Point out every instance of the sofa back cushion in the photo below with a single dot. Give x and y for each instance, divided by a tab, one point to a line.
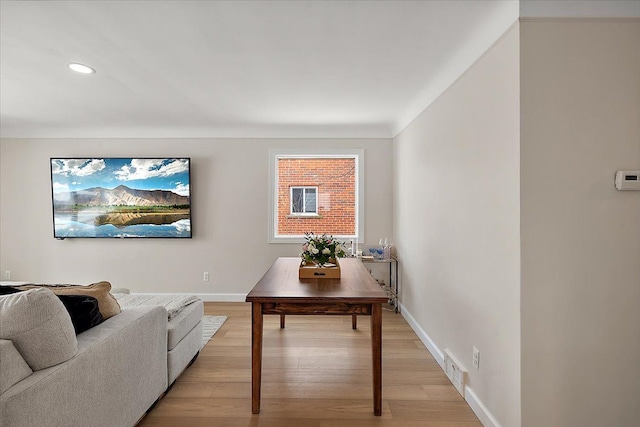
39	327
13	368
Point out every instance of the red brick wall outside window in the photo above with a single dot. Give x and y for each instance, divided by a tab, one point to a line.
335	179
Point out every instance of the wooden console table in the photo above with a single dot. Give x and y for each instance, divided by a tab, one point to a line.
281	292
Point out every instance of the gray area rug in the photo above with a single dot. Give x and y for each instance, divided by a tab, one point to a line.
211	325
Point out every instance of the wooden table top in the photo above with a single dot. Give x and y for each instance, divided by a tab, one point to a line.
281	283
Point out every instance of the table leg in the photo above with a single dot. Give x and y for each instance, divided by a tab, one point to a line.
282	321
354	321
376	352
256	356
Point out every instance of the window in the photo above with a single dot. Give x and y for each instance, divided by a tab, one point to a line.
304	200
317	191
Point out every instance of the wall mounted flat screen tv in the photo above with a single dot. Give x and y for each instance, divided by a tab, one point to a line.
121	197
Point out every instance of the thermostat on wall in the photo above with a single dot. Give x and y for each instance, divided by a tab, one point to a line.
628	180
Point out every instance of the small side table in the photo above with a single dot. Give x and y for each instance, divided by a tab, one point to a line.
394	287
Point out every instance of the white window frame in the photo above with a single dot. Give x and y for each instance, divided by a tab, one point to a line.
313	153
304	189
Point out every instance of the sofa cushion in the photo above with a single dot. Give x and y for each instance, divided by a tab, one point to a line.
180	325
13	367
39	327
106	302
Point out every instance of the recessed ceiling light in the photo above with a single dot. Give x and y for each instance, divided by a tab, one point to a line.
81	68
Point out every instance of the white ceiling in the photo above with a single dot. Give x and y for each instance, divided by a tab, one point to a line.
234	68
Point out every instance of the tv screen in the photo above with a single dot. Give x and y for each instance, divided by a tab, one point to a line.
121	197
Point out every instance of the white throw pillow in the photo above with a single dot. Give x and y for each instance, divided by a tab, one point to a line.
39	327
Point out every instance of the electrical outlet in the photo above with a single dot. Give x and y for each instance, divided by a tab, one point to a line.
205	276
7	275
476	358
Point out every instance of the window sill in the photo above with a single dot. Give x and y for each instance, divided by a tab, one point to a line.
303	216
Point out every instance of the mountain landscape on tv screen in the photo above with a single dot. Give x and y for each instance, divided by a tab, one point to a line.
119	196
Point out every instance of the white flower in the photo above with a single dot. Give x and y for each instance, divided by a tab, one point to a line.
338	248
314	250
326	251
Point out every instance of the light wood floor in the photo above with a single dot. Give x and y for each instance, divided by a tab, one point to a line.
316	373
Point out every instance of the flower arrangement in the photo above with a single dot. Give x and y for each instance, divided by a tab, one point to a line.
320	249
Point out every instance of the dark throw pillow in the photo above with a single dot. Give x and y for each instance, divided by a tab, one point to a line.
84	311
6	290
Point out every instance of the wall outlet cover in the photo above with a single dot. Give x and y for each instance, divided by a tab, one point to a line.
455	372
628	180
476	358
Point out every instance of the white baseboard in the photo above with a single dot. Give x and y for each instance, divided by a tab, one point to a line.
222	297
426	340
486	418
482	412
203	297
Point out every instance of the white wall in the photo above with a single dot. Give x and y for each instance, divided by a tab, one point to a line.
456	223
229	197
580	237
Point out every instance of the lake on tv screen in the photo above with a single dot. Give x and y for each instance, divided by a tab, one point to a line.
119	225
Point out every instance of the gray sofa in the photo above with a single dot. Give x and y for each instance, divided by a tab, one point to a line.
121	367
